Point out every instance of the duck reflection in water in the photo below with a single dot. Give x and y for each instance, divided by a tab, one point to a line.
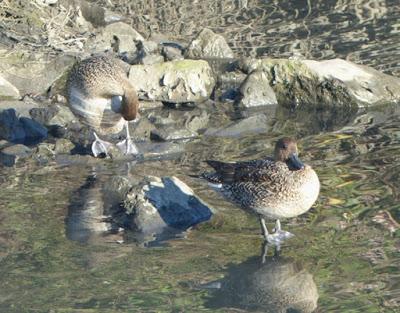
276	285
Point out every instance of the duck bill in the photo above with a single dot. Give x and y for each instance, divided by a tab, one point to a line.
294	162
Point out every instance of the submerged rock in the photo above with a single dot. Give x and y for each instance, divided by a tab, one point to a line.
176	81
256	91
207	44
165	203
11	155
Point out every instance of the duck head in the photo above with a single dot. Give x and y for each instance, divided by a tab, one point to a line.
286	151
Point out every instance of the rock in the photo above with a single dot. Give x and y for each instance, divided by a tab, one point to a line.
326	83
172	53
44	153
7	90
207	44
97	15
63	146
141	130
176	81
366	84
256	91
34	131
10	156
22	108
54	115
167	133
148	52
11	128
250	125
196	122
20	130
118	37
165	202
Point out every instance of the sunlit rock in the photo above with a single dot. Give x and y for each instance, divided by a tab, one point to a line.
176	81
256	91
7	90
165	203
207	44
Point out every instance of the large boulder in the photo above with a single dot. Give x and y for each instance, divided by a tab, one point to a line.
32	73
119	37
207	44
325	83
177	81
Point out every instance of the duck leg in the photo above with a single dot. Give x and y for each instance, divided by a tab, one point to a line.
278	236
100	147
127	146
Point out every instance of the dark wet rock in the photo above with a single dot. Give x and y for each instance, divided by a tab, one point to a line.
11	155
250	125
54	115
167	133
33	72
22	108
34	131
97	15
10	127
118	37
277	285
325	83
163	203
7	90
256	91
207	44
176	81
63	146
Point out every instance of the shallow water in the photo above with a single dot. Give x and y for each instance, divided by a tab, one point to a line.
347	261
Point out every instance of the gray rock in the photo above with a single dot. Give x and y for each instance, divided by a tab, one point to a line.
10	156
7	90
118	37
63	146
250	125
326	83
196	122
167	133
172	53
32	73
54	115
22	108
44	153
176	81
33	130
11	128
98	15
207	44
165	202
256	91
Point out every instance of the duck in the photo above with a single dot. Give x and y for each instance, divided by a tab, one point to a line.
100	94
273	188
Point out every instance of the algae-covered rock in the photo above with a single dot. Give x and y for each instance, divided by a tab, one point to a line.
176	81
207	44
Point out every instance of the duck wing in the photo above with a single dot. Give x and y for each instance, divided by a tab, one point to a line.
247	171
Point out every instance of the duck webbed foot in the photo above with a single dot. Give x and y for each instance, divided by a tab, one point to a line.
127	146
278	236
100	147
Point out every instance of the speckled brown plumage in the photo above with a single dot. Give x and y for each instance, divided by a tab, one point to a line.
91	85
268	187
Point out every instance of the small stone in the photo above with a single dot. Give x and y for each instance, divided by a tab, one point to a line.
256	91
207	44
171	133
10	156
63	146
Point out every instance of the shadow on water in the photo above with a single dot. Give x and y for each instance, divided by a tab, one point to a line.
273	284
